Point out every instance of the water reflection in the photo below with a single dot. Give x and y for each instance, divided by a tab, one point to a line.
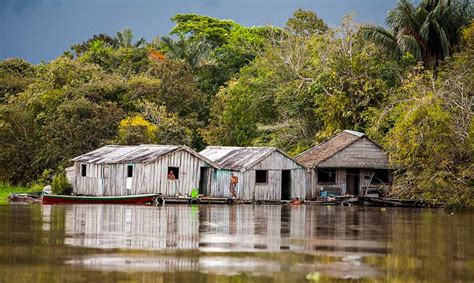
227	243
224	228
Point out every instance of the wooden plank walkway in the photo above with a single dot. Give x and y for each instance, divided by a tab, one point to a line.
213	200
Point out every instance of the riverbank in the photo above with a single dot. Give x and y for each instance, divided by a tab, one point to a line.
6	190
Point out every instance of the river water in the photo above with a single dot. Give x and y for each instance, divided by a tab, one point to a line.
234	243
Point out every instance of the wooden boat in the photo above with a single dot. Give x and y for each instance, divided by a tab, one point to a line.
132	199
390	202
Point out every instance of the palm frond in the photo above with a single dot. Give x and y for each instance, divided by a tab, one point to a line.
408	43
382	38
140	42
425	28
193	51
403	16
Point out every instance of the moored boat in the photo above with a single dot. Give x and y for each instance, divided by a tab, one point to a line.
131	199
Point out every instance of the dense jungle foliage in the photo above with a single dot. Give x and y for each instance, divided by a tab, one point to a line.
408	85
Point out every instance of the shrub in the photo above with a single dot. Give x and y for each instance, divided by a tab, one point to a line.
35	188
60	185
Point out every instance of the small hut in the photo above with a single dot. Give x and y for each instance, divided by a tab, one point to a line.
264	173
349	163
115	170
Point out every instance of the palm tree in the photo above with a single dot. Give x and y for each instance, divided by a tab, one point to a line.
195	52
125	39
429	31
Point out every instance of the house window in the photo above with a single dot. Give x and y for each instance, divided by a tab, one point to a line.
261	176
326	175
83	170
380	176
173	173
129	170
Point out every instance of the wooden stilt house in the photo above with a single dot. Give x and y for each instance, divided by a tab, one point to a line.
129	170
264	173
349	163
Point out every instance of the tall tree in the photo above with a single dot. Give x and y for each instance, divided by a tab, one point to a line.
83	47
306	22
214	30
125	39
428	31
195	52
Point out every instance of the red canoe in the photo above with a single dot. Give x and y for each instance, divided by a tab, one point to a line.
52	199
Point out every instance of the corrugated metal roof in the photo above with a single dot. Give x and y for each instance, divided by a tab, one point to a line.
125	154
110	154
318	154
238	158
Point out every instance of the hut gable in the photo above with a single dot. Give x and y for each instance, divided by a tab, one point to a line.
321	152
362	153
244	158
348	149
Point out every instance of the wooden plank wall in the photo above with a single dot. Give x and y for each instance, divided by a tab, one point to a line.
220	182
298	183
153	177
147	177
315	188
364	179
247	189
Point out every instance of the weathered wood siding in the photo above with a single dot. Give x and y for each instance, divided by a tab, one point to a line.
153	177
315	188
364	179
147	177
361	154
220	183
247	188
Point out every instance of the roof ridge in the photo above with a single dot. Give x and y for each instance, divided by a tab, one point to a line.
159	145
231	146
355	133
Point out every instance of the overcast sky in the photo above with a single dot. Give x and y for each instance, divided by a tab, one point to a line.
40	30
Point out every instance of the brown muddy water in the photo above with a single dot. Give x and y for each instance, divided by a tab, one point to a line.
239	243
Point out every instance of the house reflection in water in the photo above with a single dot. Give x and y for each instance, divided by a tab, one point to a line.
245	228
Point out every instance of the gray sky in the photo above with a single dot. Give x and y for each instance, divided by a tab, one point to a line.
39	30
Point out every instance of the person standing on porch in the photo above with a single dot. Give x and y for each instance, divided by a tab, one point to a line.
172	178
233	185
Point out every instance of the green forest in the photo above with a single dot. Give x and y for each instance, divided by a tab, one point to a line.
407	85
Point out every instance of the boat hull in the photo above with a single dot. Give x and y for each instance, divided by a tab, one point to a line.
134	199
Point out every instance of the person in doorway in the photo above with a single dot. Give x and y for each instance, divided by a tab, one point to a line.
233	185
172	178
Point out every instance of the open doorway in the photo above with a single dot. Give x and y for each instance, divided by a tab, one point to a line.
286	184
352	182
204	180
